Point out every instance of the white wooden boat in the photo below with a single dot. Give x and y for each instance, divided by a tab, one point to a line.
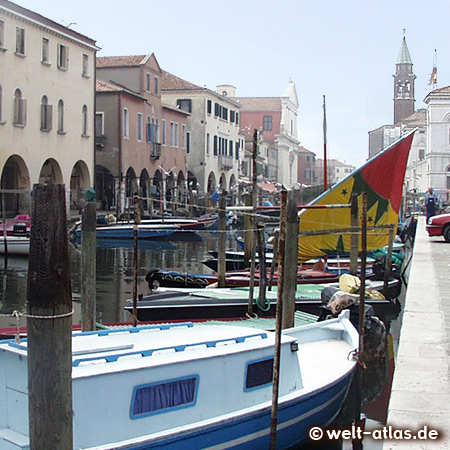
185	386
16	245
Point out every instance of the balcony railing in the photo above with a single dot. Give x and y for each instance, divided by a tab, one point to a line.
100	141
155	150
225	162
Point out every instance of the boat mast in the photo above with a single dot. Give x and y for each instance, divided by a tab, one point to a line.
325	168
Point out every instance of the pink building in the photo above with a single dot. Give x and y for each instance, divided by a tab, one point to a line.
141	145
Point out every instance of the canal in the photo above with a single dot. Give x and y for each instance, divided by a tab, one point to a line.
114	286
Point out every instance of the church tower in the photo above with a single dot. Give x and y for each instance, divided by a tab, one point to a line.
403	84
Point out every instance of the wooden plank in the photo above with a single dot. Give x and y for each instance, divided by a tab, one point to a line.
88	266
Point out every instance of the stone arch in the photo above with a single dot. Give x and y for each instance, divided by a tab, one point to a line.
156	189
181	194
130	182
211	186
51	172
15	175
79	182
144	187
105	187
223	182
192	182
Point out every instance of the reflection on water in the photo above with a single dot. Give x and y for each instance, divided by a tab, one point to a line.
115	272
114	286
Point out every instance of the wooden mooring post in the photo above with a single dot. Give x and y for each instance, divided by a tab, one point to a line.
262	266
49	323
290	262
354	238
359	422
222	226
88	266
137	221
278	321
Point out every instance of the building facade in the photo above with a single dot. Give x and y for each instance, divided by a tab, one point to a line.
307	167
46	106
276	120
213	159
141	144
437	157
336	170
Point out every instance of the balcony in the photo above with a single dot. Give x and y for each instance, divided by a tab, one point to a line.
100	141
225	162
155	150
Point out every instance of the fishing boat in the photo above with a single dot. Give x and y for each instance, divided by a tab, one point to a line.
18	226
168	304
234	260
126	231
15	245
191	386
172	278
182	224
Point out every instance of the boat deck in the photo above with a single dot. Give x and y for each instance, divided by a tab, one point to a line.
321	362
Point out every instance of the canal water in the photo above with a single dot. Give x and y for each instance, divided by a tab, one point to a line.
114	286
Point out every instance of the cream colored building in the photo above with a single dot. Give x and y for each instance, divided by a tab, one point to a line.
215	142
47	97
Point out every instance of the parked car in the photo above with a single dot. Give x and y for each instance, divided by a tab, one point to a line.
439	226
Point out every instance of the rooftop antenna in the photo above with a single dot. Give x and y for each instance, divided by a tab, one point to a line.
69	25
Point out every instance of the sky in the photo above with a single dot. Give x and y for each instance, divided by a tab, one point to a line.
343	49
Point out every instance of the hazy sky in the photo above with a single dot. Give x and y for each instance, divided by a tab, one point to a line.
343	49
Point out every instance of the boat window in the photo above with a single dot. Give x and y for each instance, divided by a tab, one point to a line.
259	373
163	396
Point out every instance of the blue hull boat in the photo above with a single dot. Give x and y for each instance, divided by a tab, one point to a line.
126	231
190	386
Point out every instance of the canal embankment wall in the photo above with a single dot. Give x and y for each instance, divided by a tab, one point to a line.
421	386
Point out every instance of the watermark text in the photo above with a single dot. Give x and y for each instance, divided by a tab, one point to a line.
384	433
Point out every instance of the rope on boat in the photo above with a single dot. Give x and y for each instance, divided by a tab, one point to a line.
19	314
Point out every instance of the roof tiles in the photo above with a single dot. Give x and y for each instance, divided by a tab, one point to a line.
171	82
120	61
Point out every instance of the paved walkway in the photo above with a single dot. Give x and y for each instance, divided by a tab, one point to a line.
421	387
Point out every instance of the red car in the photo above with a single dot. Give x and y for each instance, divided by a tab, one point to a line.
439	226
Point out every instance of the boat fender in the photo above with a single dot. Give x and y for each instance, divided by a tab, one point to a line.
151	279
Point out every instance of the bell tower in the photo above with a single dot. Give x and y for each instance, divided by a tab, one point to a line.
403	84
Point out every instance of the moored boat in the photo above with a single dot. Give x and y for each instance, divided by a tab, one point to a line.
168	304
15	245
126	231
184	386
172	278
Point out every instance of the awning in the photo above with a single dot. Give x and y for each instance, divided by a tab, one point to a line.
269	187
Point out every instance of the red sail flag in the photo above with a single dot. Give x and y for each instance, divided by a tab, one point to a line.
382	178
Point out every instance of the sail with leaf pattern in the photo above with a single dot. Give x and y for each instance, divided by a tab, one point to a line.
382	178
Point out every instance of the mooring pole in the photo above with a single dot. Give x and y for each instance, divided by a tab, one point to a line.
253	223
5	231
88	266
49	322
279	314
354	238
221	260
276	237
248	231
387	271
137	221
291	264
262	265
357	442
